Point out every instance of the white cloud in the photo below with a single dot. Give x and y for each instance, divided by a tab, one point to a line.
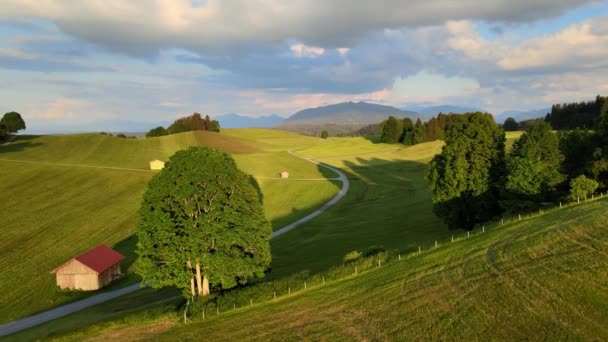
301	50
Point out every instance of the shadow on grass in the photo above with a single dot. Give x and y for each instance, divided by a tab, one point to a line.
21	143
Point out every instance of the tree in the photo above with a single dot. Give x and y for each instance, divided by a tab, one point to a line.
407	136
324	135
157	132
419	133
581	187
201	224
533	168
215	126
466	177
12	122
510	125
390	131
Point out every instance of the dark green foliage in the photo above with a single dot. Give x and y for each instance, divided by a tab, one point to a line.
578	147
200	207
324	135
194	122
466	177
373	250
157	132
391	131
120	135
12	122
433	130
533	169
584	115
369	130
419	133
581	187
510	125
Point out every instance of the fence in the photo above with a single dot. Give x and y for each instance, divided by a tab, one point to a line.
267	291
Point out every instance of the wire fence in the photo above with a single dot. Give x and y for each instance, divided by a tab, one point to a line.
269	291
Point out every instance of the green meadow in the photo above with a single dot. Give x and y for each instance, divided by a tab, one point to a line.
66	194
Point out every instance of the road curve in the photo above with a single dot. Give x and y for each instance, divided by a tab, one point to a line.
64	310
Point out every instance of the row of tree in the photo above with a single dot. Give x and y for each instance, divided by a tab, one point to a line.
11	122
405	131
585	115
194	122
474	179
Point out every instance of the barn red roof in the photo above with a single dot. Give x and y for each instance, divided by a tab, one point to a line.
98	259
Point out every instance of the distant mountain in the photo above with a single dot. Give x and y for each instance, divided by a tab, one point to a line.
233	120
432	111
521	115
347	113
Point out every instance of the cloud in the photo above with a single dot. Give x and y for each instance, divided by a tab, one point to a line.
27	61
301	50
220	26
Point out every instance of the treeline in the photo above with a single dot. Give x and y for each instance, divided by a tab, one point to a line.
194	122
11	122
585	115
474	179
405	131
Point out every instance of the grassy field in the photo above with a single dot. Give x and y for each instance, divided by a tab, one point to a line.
542	278
66	194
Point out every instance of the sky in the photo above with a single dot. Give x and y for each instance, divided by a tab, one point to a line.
70	64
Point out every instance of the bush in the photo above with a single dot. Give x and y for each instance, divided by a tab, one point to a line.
120	135
352	256
581	187
373	250
324	135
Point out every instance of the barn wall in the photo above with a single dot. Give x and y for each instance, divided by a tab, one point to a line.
74	267
65	281
86	282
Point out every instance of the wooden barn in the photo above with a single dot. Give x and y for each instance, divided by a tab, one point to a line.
91	270
157	165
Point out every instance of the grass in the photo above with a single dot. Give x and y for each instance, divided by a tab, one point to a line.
66	194
543	278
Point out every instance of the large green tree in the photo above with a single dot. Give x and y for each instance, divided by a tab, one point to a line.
12	122
533	168
419	133
391	131
201	225
510	125
466	177
157	132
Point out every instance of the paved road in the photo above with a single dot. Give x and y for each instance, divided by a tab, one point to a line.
67	309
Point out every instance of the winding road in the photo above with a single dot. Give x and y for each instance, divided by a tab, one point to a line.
28	322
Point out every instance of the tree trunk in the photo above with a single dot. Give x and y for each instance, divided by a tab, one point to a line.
189	266
205	286
198	278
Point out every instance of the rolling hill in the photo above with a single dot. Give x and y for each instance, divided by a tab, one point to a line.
346	113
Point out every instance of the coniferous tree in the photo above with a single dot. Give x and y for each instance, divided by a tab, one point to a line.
466	177
201	225
390	131
419	134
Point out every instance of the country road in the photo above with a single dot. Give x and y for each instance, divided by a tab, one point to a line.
28	322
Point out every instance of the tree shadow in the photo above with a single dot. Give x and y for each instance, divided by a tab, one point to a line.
127	248
21	143
389	203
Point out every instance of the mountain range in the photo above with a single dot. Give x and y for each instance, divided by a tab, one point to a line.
233	120
347	113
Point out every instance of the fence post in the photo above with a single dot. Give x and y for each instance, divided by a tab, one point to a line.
399	256
323	279
452	238
250	302
203	313
234	306
305	286
217	310
468	234
275	294
435	243
591	196
483	229
289	290
355	269
502	221
419	250
560	204
578	199
379	263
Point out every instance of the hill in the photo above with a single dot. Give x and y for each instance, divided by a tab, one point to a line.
541	278
346	113
233	120
66	194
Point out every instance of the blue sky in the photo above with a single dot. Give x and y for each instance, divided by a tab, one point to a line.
67	65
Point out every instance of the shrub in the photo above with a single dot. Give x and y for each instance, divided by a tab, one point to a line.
352	256
581	187
373	250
